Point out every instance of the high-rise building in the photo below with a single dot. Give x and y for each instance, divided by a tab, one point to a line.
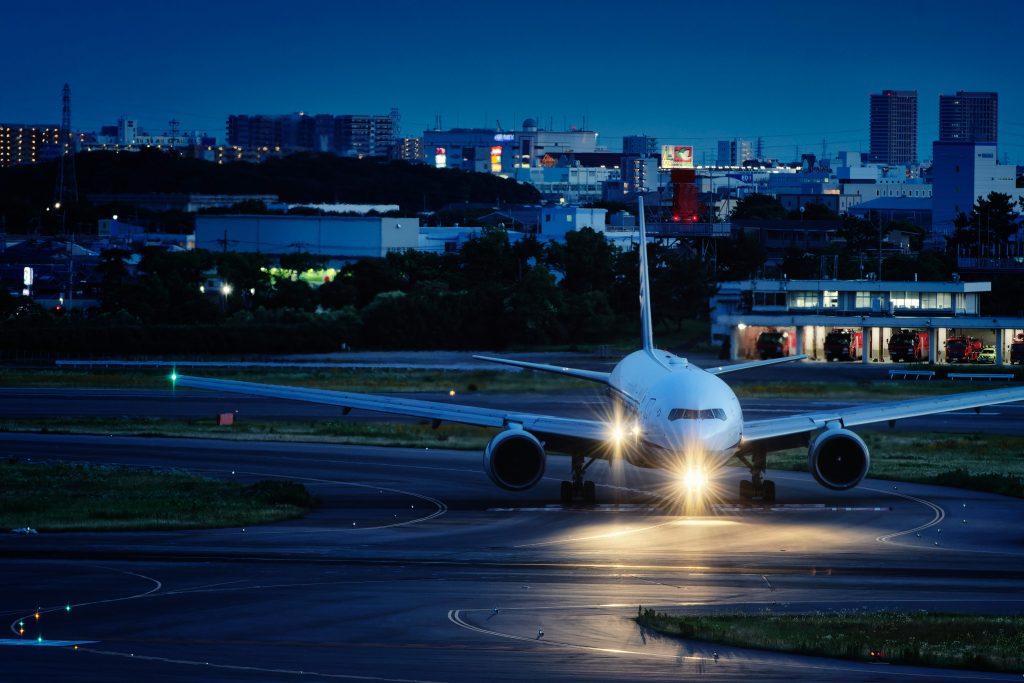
28	143
734	152
969	117
640	146
893	127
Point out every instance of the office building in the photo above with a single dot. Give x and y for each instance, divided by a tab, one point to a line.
969	117
640	146
734	152
962	172
346	134
487	150
893	127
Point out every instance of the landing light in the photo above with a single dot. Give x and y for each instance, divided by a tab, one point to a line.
694	480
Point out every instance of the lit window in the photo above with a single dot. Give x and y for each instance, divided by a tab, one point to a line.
830	299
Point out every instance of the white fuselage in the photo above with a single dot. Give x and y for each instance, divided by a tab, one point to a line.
682	413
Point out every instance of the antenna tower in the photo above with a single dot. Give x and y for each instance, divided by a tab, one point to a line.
67	184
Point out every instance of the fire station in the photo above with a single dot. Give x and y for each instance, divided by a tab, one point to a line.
857	320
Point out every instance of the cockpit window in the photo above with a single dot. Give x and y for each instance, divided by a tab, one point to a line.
692	414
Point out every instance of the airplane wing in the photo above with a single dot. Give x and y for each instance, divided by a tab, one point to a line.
560	431
763	430
591	375
722	369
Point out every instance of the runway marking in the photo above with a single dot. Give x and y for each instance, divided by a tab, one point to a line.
939	515
455	616
57	608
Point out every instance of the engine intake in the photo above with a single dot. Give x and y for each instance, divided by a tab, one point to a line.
514	460
838	459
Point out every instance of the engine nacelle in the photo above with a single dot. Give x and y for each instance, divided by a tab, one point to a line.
838	459
514	460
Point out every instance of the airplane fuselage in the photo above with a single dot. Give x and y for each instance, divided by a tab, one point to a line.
681	413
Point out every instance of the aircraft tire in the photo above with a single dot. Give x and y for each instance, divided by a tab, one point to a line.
565	493
746	490
768	491
589	492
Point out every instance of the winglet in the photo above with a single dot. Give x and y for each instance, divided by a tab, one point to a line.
646	327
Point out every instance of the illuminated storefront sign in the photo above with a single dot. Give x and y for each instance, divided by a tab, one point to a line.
496	159
673	156
440	157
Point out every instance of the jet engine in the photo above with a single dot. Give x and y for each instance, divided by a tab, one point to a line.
838	459
514	460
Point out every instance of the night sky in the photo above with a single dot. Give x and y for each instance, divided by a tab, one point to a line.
686	72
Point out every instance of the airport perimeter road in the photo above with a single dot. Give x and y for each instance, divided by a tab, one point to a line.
416	568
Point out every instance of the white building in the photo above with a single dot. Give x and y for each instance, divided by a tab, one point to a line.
330	236
555	221
961	173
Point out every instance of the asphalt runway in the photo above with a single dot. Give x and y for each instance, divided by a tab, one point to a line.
416	568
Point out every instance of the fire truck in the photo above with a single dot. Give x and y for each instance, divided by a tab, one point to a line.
773	344
962	349
908	345
844	345
1017	350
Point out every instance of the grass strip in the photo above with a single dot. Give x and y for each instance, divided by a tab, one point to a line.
367	380
985	643
980	462
67	497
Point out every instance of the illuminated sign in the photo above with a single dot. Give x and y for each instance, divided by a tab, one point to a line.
673	156
504	137
496	159
29	276
440	157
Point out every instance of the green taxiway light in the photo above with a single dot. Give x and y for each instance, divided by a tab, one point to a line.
67	607
174	376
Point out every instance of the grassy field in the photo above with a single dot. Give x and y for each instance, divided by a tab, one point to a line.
983	462
987	643
61	497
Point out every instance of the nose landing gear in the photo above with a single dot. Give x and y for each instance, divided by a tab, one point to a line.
757	486
579	489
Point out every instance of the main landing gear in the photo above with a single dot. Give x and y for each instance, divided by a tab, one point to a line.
579	489
757	486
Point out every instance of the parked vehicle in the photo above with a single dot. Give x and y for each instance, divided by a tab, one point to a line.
773	344
1017	350
908	345
962	349
844	345
987	355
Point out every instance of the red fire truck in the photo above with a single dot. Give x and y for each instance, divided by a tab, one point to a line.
962	349
1017	350
773	344
844	345
908	345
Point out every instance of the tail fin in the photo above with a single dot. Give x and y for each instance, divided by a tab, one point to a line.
646	327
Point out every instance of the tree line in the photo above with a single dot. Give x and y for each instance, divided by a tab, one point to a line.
491	293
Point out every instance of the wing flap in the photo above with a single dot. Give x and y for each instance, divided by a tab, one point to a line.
759	430
588	430
591	375
723	369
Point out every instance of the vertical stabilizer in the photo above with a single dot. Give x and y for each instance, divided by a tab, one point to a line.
646	328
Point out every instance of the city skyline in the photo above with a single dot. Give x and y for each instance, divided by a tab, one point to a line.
804	75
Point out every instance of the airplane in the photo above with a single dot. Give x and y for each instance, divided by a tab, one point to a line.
670	414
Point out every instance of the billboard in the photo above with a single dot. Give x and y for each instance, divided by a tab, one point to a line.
674	156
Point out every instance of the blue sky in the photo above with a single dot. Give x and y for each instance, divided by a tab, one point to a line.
686	72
